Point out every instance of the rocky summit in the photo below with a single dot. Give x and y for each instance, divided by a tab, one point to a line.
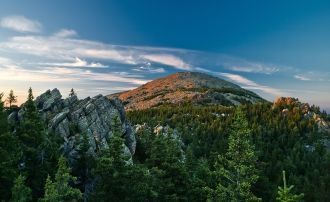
96	117
184	87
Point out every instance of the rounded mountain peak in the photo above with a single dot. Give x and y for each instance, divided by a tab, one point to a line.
184	87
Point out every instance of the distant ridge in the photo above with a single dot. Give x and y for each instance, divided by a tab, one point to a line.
183	87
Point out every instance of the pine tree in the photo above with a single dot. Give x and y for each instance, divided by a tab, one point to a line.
236	170
60	189
285	194
20	192
11	98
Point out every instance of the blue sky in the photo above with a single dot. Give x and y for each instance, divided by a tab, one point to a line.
275	49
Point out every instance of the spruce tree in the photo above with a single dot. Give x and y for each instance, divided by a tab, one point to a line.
112	171
20	192
284	194
60	189
85	163
11	98
166	162
236	170
31	134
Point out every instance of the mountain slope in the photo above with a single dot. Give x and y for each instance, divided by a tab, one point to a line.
186	87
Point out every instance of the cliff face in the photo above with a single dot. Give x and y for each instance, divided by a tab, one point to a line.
70	118
186	87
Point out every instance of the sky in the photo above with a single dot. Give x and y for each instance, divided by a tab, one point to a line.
274	48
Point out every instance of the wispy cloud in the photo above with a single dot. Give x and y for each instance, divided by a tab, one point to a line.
169	60
20	24
301	77
248	84
77	63
313	76
63	33
255	68
241	65
61	74
148	69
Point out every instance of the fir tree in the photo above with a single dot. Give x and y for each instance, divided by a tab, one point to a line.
112	171
31	134
11	98
84	164
236	170
285	194
166	161
20	192
60	189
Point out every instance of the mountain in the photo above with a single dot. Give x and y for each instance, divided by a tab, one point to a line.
184	87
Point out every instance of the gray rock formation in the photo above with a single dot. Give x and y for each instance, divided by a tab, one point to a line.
70	118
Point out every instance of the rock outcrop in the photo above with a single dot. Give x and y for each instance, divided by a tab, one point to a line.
70	118
292	105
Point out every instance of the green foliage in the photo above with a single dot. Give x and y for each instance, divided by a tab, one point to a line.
284	194
9	155
38	150
206	152
167	161
119	179
289	141
60	189
20	192
236	170
112	169
11	98
84	164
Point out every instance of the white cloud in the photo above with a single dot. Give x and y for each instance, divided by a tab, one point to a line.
14	73
239	79
302	78
61	74
67	48
255	68
246	83
241	65
169	60
77	63
110	54
63	33
149	69
20	24
319	76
